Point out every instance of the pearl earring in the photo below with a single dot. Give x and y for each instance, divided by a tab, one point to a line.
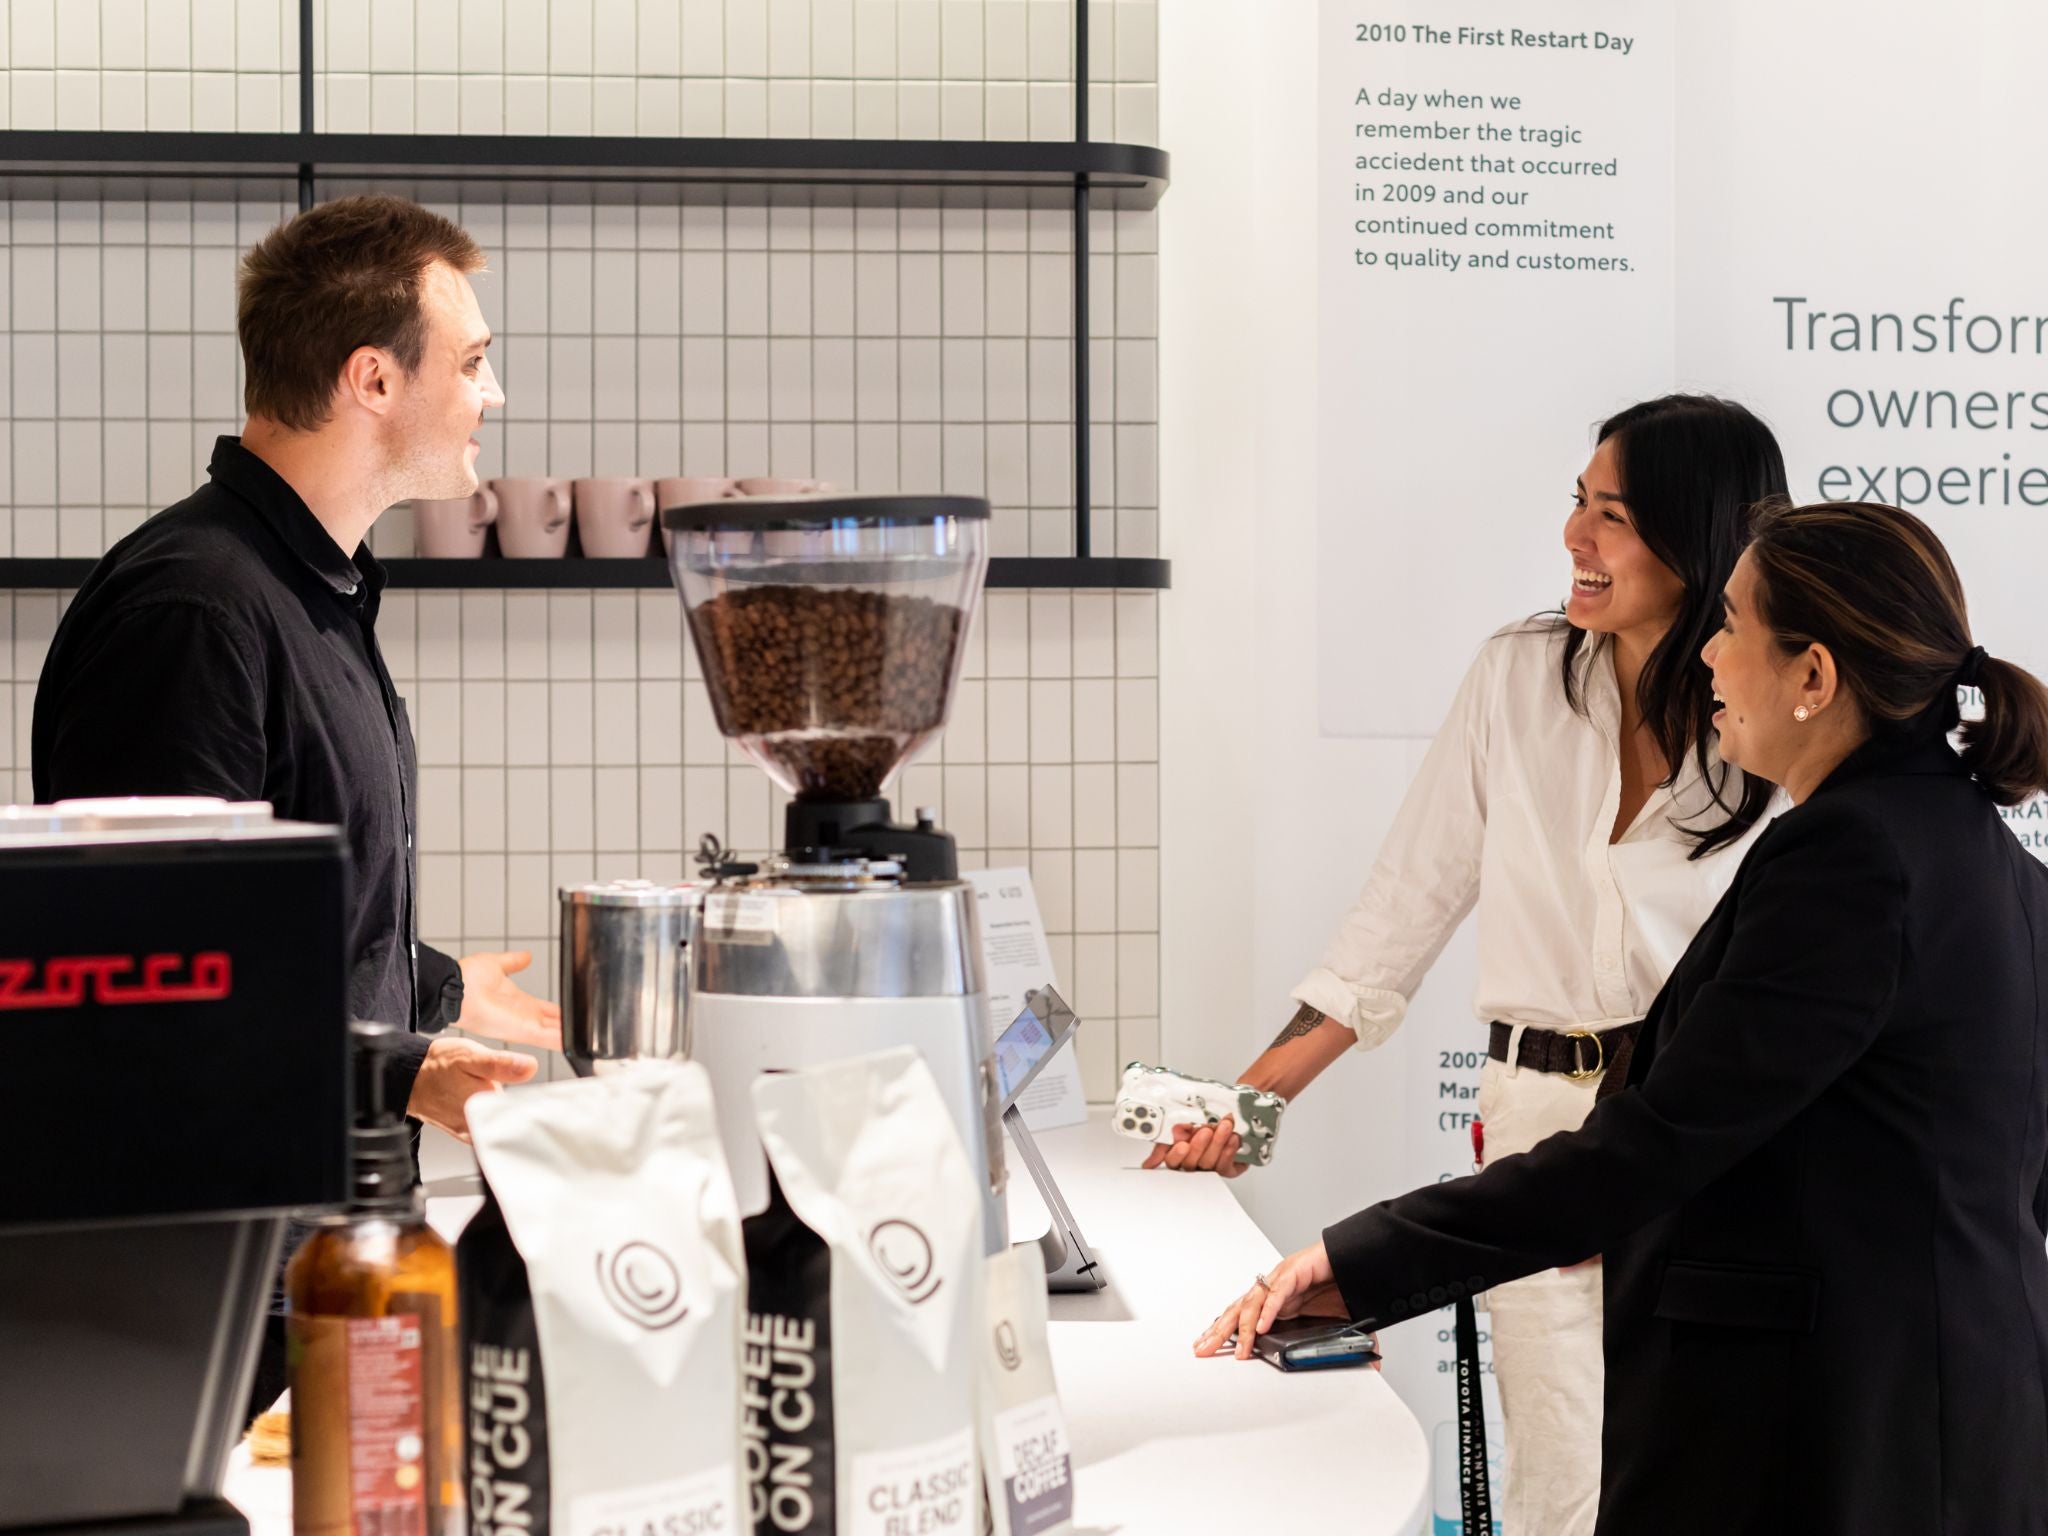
1802	714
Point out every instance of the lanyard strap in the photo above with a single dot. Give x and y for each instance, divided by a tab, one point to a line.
1474	1493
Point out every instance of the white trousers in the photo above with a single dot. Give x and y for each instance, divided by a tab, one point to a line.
1547	1355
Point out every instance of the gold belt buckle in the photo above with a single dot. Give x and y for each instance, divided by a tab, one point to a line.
1579	1074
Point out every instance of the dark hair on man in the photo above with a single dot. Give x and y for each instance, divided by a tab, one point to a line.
343	275
1875	586
1692	468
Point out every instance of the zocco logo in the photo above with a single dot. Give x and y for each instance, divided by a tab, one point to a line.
114	980
1006	1346
905	1254
643	1285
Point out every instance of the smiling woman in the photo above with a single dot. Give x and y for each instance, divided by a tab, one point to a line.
1668	493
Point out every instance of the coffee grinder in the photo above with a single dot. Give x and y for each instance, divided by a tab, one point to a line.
831	631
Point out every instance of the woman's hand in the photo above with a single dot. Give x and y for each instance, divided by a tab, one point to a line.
1200	1149
1300	1285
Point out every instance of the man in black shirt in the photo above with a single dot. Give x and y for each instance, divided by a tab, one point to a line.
228	646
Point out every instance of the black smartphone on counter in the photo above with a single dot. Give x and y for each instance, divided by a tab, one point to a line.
1315	1344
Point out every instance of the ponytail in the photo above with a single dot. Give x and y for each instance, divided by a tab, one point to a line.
2007	750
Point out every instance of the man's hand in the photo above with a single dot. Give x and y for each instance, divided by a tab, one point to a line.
493	1005
453	1071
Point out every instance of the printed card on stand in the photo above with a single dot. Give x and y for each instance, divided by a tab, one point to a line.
1018	959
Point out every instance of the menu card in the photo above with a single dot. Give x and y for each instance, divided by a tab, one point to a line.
1018	960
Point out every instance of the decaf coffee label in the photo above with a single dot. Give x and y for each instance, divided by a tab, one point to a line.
1035	1466
916	1490
786	1375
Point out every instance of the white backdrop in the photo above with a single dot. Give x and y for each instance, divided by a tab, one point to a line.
1825	210
1368	465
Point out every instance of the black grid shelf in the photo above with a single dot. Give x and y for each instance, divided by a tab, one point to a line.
937	172
1077	176
578	572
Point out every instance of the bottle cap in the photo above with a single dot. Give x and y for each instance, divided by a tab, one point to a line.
380	1148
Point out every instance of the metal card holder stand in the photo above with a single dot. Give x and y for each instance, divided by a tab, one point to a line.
1069	1263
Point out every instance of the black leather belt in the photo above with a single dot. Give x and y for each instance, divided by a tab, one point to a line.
1574	1053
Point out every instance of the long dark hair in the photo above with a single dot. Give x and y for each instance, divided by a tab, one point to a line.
1875	586
1693	467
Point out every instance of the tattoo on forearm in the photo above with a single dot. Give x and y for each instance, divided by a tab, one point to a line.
1304	1022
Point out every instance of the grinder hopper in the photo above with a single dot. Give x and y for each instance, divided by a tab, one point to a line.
831	631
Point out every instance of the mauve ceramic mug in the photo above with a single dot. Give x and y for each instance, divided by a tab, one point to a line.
681	490
615	517
533	517
786	541
454	530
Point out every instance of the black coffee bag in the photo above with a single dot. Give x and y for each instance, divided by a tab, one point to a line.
504	1393
786	1373
857	1396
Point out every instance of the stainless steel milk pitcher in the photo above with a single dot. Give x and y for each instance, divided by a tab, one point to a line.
624	971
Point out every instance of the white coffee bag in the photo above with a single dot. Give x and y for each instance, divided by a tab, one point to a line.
615	1192
859	1402
1026	1457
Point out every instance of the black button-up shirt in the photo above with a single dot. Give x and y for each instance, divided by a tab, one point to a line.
228	647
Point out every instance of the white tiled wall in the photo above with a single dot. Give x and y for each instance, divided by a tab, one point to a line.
907	350
184	65
956	69
565	734
117	336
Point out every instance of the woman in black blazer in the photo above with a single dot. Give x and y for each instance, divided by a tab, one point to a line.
1820	1197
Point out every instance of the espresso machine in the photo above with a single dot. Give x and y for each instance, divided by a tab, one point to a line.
831	631
174	1022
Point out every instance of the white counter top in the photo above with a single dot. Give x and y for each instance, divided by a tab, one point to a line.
1166	1442
1163	1442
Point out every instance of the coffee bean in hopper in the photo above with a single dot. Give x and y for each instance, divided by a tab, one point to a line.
786	663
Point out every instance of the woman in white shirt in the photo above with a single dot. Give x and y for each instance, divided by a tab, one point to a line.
1575	797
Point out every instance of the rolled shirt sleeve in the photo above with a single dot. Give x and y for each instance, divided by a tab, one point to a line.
1425	879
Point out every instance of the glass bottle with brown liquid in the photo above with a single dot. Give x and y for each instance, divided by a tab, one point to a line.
376	1410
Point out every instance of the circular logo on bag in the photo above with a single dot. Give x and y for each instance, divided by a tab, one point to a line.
905	1254
1006	1346
643	1285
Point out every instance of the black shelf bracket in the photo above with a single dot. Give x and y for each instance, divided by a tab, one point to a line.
306	100
65	163
580	573
1083	445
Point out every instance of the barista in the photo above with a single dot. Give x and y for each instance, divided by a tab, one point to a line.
1574	795
228	647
